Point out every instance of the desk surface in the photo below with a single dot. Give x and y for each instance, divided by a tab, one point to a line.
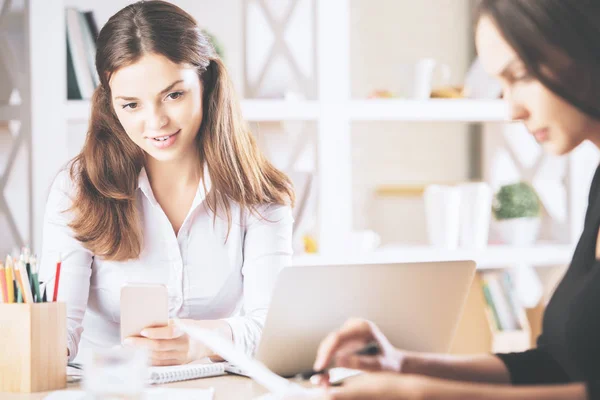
226	387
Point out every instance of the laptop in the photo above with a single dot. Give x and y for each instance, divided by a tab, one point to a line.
416	305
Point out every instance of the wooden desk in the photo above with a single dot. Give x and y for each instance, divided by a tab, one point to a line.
226	387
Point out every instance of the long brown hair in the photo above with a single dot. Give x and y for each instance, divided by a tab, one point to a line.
106	171
558	42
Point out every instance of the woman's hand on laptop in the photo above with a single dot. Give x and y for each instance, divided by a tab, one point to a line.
339	348
168	345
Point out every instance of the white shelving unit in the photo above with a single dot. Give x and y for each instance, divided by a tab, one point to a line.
8	113
333	111
446	110
494	256
463	110
253	110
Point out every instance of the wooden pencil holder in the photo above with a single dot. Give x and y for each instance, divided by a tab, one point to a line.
33	347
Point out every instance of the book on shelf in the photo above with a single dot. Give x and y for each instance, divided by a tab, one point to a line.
504	309
91	21
81	30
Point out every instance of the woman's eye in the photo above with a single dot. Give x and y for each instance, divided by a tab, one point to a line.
130	106
175	95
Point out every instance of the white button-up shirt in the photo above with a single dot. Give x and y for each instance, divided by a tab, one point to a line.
206	276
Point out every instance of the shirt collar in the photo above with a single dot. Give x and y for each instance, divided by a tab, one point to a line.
144	186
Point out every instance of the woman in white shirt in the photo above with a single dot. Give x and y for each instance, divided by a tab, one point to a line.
169	188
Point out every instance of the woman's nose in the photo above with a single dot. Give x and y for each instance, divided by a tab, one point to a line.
516	110
156	120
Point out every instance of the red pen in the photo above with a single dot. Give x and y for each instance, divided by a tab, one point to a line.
57	278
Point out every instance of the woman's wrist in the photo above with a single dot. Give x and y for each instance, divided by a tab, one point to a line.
409	362
198	350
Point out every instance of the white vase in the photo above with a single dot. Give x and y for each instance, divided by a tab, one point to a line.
442	211
519	231
475	214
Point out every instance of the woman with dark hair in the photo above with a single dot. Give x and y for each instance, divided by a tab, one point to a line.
169	188
546	53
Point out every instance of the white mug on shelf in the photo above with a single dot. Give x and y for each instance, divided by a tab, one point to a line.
442	211
420	77
475	214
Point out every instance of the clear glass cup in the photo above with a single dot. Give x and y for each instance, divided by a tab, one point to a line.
120	373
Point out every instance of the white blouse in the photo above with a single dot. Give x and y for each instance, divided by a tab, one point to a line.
206	276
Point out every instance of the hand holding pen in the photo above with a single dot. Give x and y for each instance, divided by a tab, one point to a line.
359	344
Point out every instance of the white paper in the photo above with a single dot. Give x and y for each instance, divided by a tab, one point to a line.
307	394
254	369
149	394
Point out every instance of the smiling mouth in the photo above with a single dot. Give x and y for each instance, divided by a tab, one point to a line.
164	138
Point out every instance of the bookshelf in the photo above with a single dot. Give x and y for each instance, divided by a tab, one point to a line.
434	110
253	110
477	333
332	111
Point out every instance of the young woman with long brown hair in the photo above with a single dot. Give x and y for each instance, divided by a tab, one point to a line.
169	188
546	53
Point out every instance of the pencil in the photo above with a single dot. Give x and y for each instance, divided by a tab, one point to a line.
3	287
18	292
23	281
10	281
27	293
35	288
57	278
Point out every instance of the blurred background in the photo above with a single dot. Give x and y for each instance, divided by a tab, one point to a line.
398	144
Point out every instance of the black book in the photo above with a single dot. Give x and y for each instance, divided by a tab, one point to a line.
73	92
91	21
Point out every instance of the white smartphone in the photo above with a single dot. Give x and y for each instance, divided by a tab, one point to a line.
143	306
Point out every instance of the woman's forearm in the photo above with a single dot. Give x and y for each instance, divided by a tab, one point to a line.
467	391
481	368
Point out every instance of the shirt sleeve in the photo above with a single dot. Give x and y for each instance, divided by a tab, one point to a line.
267	250
537	367
593	390
58	241
534	366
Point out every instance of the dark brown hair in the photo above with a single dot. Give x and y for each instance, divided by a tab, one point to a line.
558	40
106	171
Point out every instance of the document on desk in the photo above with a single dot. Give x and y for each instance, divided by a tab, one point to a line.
277	385
149	394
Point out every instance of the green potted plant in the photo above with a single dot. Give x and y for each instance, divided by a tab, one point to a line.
517	210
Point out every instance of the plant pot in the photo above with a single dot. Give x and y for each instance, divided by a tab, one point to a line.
519	231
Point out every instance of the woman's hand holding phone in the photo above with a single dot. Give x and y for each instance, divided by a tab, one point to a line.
168	345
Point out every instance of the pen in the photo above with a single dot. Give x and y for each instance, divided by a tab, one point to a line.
25	259
35	288
57	278
371	349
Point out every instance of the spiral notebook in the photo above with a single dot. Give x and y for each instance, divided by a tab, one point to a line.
158	375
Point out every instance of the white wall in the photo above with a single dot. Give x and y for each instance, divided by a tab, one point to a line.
385	35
